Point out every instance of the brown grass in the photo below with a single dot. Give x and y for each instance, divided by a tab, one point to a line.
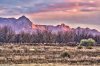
41	54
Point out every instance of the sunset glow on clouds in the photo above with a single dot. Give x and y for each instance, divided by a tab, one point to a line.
72	12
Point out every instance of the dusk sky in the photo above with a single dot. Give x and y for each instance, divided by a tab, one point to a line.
83	13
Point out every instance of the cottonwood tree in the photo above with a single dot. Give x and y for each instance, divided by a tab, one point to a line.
48	37
6	34
68	37
59	37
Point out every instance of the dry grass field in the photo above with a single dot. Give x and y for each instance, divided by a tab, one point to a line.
50	64
43	55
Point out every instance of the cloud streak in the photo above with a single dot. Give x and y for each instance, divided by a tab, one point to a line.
33	6
42	11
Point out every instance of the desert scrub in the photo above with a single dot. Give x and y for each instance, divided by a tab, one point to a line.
89	47
87	42
79	47
65	54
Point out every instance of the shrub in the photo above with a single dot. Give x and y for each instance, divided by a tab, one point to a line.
87	42
79	47
91	42
65	54
89	47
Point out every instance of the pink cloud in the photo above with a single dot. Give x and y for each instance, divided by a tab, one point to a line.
63	10
69	6
53	15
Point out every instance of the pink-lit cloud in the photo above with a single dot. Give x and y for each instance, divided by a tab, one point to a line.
54	11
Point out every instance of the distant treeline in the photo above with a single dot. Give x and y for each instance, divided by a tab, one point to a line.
7	35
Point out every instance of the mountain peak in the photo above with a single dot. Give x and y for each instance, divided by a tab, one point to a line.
63	25
23	17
